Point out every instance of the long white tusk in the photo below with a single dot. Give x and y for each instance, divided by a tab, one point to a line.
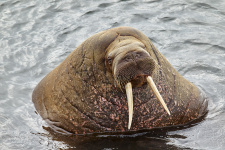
156	93
128	88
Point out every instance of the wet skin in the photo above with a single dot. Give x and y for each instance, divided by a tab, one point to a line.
87	92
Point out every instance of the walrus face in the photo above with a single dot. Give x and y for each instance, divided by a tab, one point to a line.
130	62
132	66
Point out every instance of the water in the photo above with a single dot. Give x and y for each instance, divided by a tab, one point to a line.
35	36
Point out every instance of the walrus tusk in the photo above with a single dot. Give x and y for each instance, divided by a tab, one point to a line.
156	93
128	88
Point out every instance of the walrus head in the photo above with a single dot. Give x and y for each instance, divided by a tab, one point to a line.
131	66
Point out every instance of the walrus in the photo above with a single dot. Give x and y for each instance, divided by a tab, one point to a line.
116	81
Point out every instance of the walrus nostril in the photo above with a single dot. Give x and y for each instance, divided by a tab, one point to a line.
137	55
132	56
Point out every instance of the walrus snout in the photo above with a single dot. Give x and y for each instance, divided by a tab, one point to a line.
133	67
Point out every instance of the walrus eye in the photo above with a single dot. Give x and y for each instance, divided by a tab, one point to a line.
109	60
128	58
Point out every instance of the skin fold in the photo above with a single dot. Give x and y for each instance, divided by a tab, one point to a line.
86	93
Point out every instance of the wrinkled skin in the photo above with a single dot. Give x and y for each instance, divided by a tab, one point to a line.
85	93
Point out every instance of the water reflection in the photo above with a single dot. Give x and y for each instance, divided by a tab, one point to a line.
145	139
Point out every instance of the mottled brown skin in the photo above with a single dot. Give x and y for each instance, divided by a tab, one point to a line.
85	93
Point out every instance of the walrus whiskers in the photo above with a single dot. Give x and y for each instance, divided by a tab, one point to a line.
156	93
128	88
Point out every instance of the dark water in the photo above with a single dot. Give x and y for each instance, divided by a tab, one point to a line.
35	36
